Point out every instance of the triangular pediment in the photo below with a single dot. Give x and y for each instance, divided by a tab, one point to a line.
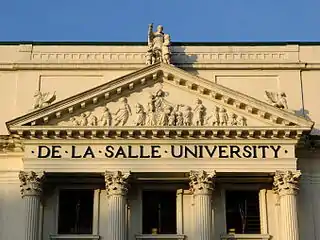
159	96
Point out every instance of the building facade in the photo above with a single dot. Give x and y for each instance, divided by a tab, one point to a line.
194	141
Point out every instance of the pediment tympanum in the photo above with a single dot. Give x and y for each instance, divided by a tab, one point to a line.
162	98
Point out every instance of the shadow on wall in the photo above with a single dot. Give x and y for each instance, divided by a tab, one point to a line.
305	114
180	56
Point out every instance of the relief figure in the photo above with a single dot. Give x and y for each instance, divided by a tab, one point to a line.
123	113
214	119
92	120
141	115
199	113
233	120
83	120
106	118
223	117
150	118
242	121
187	116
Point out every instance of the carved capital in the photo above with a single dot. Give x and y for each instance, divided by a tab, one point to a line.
30	183
201	182
286	182
116	183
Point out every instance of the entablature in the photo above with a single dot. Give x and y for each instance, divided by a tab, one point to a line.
227	132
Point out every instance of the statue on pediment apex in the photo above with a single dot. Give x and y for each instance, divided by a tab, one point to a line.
158	46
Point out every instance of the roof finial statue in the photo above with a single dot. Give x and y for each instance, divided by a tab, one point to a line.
158	46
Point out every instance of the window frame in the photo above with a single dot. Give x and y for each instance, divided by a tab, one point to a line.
96	207
156	187
262	199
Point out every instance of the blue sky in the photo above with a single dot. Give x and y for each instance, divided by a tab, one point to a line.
184	20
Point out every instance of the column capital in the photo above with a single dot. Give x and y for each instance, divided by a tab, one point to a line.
201	182
31	183
286	182
116	182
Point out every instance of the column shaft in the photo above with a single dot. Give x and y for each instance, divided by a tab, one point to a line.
31	190
289	218
203	217
32	208
286	186
117	217
202	185
116	186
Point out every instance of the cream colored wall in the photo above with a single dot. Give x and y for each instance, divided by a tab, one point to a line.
71	69
12	209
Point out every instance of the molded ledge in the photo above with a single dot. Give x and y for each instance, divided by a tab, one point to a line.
160	236
75	236
246	236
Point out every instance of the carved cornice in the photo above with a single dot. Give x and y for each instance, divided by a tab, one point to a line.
201	182
116	183
30	183
139	132
139	65
286	182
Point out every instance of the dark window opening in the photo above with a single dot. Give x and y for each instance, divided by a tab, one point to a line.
159	212
243	214
75	212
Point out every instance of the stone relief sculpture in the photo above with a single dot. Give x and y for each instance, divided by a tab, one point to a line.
278	100
199	113
242	121
83	121
74	121
160	112
150	116
106	118
187	117
123	113
223	117
92	120
158	46
141	115
214	118
43	99
234	121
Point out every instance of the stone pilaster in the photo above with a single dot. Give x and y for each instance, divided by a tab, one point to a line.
117	189
202	185
31	192
286	186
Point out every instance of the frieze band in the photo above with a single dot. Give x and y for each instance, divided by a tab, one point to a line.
159	151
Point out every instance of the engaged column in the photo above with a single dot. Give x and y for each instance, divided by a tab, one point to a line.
286	185
201	184
31	192
117	189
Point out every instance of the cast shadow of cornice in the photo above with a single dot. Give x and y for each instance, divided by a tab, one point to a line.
184	59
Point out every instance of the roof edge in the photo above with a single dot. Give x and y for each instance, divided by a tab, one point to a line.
121	43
